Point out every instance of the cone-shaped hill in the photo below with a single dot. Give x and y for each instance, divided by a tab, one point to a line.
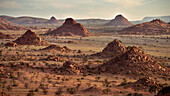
31	38
70	28
133	63
7	25
5	36
156	26
112	50
53	20
119	21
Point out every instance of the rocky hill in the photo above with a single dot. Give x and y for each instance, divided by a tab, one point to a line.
156	26
5	36
71	68
53	20
70	28
7	25
133	63
119	21
57	48
31	38
113	49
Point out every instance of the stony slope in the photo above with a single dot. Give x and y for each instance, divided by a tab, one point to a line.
7	25
5	36
156	26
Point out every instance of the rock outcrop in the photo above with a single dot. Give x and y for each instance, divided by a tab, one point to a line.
133	63
5	36
31	38
11	44
119	21
54	58
154	27
164	91
57	48
71	68
70	28
145	83
112	50
53	20
7	25
93	89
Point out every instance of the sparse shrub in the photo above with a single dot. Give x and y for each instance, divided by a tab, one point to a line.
59	92
9	88
71	90
106	91
128	47
134	94
45	91
36	89
66	79
152	89
26	85
78	79
78	86
12	76
97	78
79	51
58	78
30	93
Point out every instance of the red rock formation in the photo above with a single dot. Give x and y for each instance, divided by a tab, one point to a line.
119	21
112	50
154	27
53	20
31	38
7	25
143	84
57	48
5	36
71	68
133	63
70	28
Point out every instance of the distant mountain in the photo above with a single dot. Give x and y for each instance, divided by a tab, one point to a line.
7	25
34	20
163	18
119	21
24	19
53	20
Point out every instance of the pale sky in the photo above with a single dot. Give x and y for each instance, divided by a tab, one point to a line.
83	9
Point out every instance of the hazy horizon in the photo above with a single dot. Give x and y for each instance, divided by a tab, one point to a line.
89	9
